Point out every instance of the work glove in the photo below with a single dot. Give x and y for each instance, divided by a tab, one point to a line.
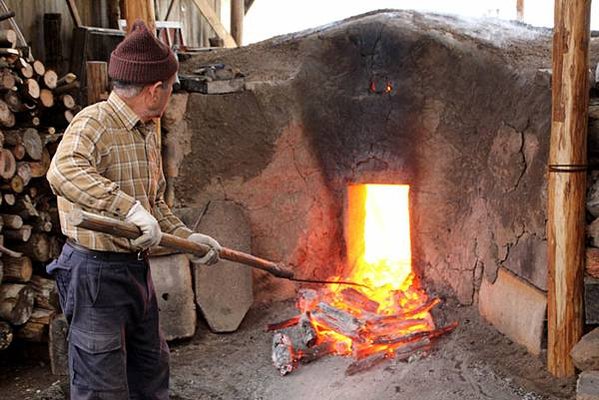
209	258
148	225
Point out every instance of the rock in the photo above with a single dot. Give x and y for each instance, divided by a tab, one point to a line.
587	387
591	300
224	290
586	352
515	308
593	199
172	281
592	262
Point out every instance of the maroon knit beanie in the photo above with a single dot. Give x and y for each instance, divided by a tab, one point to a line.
141	58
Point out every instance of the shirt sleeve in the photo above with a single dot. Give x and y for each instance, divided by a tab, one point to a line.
169	222
73	173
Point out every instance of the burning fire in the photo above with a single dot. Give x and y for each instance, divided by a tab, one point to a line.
386	318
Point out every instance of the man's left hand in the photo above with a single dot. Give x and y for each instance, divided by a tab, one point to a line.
212	256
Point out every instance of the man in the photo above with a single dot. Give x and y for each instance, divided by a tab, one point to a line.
108	162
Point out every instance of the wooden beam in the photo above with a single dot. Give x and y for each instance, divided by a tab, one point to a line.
97	81
142	9
74	13
567	182
214	21
237	13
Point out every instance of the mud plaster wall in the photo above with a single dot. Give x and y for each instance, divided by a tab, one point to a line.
466	124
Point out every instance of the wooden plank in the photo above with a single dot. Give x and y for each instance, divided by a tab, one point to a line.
567	182
214	22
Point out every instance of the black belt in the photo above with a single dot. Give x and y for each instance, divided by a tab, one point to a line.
109	255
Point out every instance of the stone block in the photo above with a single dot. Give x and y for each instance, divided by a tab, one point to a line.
224	290
586	352
174	290
587	387
591	300
516	308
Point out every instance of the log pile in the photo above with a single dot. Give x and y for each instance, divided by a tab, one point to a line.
348	322
36	105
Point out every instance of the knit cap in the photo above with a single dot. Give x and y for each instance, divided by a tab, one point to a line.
142	58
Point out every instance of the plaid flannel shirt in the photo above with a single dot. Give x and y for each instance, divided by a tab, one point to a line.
107	160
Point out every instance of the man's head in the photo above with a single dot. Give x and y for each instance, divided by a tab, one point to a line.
143	71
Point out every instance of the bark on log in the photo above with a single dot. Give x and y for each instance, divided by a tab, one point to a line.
57	345
67	101
16	184
46	292
36	328
6	335
22	234
68	88
7	79
38	247
17	270
16	303
29	138
8	164
24	171
7	118
12	221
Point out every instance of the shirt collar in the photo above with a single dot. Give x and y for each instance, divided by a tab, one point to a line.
123	111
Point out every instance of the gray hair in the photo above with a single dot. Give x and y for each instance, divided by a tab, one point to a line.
127	90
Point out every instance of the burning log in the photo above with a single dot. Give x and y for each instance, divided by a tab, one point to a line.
317	352
307	300
367	363
340	321
394	326
359	301
283	324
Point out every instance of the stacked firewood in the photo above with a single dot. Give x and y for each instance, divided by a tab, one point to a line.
36	105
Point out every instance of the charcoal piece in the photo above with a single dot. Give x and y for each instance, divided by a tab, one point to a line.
283	354
307	299
338	320
302	335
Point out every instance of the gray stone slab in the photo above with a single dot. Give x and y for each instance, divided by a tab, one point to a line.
515	307
224	290
586	352
172	281
587	387
591	300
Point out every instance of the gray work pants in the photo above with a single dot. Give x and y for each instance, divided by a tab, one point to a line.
116	350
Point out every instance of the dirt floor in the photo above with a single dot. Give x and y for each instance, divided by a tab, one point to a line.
474	362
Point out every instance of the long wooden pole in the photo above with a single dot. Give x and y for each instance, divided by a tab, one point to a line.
567	182
142	9
520	10
237	13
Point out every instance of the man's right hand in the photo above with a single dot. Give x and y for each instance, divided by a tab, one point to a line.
148	225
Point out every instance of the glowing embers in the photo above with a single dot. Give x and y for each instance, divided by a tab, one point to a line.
388	320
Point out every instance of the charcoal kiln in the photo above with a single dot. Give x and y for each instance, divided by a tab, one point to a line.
458	110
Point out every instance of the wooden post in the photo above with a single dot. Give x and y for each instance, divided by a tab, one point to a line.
97	81
567	182
142	9
52	40
237	13
520	10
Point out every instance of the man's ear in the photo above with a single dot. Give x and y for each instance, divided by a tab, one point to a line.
153	89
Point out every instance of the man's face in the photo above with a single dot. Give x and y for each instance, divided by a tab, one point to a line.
157	97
